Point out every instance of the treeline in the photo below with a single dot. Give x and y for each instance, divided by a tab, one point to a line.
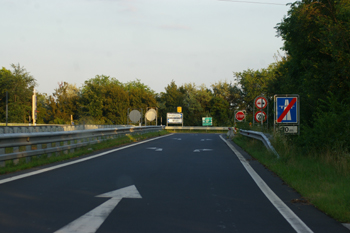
316	65
101	100
105	100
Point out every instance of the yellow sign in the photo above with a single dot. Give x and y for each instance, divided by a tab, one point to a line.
179	109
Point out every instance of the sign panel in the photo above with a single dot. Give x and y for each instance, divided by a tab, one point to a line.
174	115
179	109
261	102
289	129
286	109
175	118
260	116
207	121
240	116
175	121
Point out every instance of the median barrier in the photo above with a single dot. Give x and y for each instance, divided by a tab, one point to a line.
52	128
14	146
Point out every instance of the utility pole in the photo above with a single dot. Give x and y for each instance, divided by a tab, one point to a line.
34	109
7	106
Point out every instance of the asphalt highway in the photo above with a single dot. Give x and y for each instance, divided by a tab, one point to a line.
183	183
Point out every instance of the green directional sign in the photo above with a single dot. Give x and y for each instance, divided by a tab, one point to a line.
207	121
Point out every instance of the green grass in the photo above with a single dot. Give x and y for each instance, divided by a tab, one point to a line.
321	178
37	161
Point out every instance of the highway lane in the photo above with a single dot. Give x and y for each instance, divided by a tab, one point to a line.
178	183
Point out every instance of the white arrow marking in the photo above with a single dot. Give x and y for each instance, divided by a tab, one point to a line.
199	150
155	148
91	221
207	149
179	139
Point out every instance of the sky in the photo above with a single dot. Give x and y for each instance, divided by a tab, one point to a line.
155	41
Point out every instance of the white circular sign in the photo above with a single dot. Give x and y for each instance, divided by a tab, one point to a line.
261	103
151	114
260	116
134	116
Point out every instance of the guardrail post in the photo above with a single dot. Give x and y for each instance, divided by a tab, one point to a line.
2	152
28	158
15	150
65	143
72	143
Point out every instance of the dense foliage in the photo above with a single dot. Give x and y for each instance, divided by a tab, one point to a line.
316	65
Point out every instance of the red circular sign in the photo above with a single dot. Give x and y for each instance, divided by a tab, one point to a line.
261	103
240	116
259	115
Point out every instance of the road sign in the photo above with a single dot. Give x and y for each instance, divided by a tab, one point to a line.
240	116
207	121
289	129
135	116
179	109
175	121
174	115
287	109
174	118
260	116
261	102
151	114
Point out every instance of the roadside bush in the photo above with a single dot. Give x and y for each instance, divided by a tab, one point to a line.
331	128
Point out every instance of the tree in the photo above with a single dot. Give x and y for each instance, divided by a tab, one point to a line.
169	100
316	38
191	105
140	95
63	104
103	101
20	85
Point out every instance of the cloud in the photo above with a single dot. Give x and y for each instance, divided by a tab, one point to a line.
127	5
175	27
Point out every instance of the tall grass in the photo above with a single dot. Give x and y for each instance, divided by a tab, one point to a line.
321	177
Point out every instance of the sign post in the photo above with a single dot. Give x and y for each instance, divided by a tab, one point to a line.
287	113
34	108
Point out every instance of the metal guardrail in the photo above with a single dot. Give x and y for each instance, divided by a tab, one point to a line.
25	128
25	145
260	136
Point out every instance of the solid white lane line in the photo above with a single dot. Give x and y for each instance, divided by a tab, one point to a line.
298	225
75	161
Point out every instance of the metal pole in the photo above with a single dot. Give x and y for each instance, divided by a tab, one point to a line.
7	107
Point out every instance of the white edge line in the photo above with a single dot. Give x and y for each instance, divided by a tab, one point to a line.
75	161
298	225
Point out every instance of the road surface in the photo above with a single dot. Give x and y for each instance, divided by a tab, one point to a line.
176	183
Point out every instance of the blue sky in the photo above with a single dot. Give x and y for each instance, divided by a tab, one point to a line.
156	41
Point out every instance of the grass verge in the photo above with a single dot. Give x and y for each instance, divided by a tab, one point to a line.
37	161
322	179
